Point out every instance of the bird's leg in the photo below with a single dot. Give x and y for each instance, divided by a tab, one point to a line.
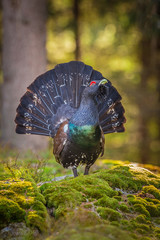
86	171
74	169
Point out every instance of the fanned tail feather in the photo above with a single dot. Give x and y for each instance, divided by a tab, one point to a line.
53	97
111	112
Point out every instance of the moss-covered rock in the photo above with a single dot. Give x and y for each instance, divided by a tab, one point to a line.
18	231
152	190
118	203
83	224
21	201
10	211
117	197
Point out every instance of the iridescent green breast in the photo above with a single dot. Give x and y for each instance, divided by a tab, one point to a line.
85	136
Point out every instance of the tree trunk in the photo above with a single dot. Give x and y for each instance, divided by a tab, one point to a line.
144	118
149	55
24	58
157	60
76	11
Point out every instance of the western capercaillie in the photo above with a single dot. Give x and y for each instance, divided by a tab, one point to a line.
75	105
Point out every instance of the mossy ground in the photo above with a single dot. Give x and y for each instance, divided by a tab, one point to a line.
22	202
117	201
125	196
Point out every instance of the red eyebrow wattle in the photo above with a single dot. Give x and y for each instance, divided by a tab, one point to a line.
93	82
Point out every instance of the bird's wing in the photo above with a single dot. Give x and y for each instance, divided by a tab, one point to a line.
60	139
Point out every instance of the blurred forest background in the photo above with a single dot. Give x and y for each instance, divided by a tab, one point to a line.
119	38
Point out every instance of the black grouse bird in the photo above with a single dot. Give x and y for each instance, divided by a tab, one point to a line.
75	105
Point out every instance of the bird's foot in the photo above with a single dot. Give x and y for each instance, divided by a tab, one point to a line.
75	172
86	171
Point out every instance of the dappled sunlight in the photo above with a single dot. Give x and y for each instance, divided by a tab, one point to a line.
106	37
110	41
59	46
72	182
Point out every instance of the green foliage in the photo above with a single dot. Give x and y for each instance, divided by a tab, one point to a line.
29	166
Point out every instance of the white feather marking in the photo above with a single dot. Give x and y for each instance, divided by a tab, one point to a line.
64	142
109	102
65	128
115	116
114	125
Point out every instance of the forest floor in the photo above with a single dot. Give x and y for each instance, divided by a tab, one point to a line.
118	200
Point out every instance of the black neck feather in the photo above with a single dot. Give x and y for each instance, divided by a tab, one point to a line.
87	113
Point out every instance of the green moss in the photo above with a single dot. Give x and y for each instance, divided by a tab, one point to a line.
115	223
152	190
83	217
141	218
62	197
131	196
129	177
99	189
10	211
124	222
140	230
108	213
123	207
71	193
83	224
137	200
35	220
21	201
145	238
17	186
149	206
61	194
88	205
103	232
157	221
141	209
142	226
157	230
94	187
119	198
153	210
155	201
157	236
85	206
107	202
60	212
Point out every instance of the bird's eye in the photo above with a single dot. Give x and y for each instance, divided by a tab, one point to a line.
92	83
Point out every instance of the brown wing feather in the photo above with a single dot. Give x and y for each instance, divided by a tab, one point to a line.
59	140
